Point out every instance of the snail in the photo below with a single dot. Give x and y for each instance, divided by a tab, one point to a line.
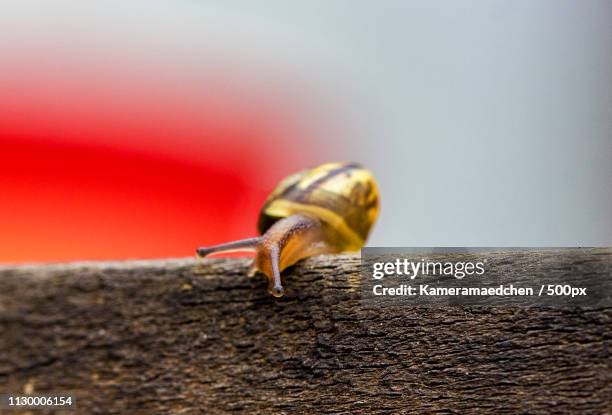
328	209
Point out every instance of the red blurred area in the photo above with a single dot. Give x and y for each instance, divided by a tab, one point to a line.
70	201
128	169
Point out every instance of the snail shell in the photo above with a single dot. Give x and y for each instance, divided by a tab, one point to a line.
344	196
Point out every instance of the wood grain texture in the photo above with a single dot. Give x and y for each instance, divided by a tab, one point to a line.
183	337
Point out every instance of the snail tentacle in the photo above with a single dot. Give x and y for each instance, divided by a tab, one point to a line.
249	244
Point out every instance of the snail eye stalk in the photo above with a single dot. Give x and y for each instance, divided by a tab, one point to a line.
276	286
249	244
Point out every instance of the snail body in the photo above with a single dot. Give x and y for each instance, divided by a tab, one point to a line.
328	209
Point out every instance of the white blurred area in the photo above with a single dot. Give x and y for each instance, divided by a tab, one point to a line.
487	123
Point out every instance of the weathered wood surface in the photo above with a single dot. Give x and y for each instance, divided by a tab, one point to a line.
176	337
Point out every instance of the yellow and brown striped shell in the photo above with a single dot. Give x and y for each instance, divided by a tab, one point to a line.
343	196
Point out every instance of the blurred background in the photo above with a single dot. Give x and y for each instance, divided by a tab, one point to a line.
146	128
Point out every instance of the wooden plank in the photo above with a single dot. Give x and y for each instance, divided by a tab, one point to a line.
184	337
